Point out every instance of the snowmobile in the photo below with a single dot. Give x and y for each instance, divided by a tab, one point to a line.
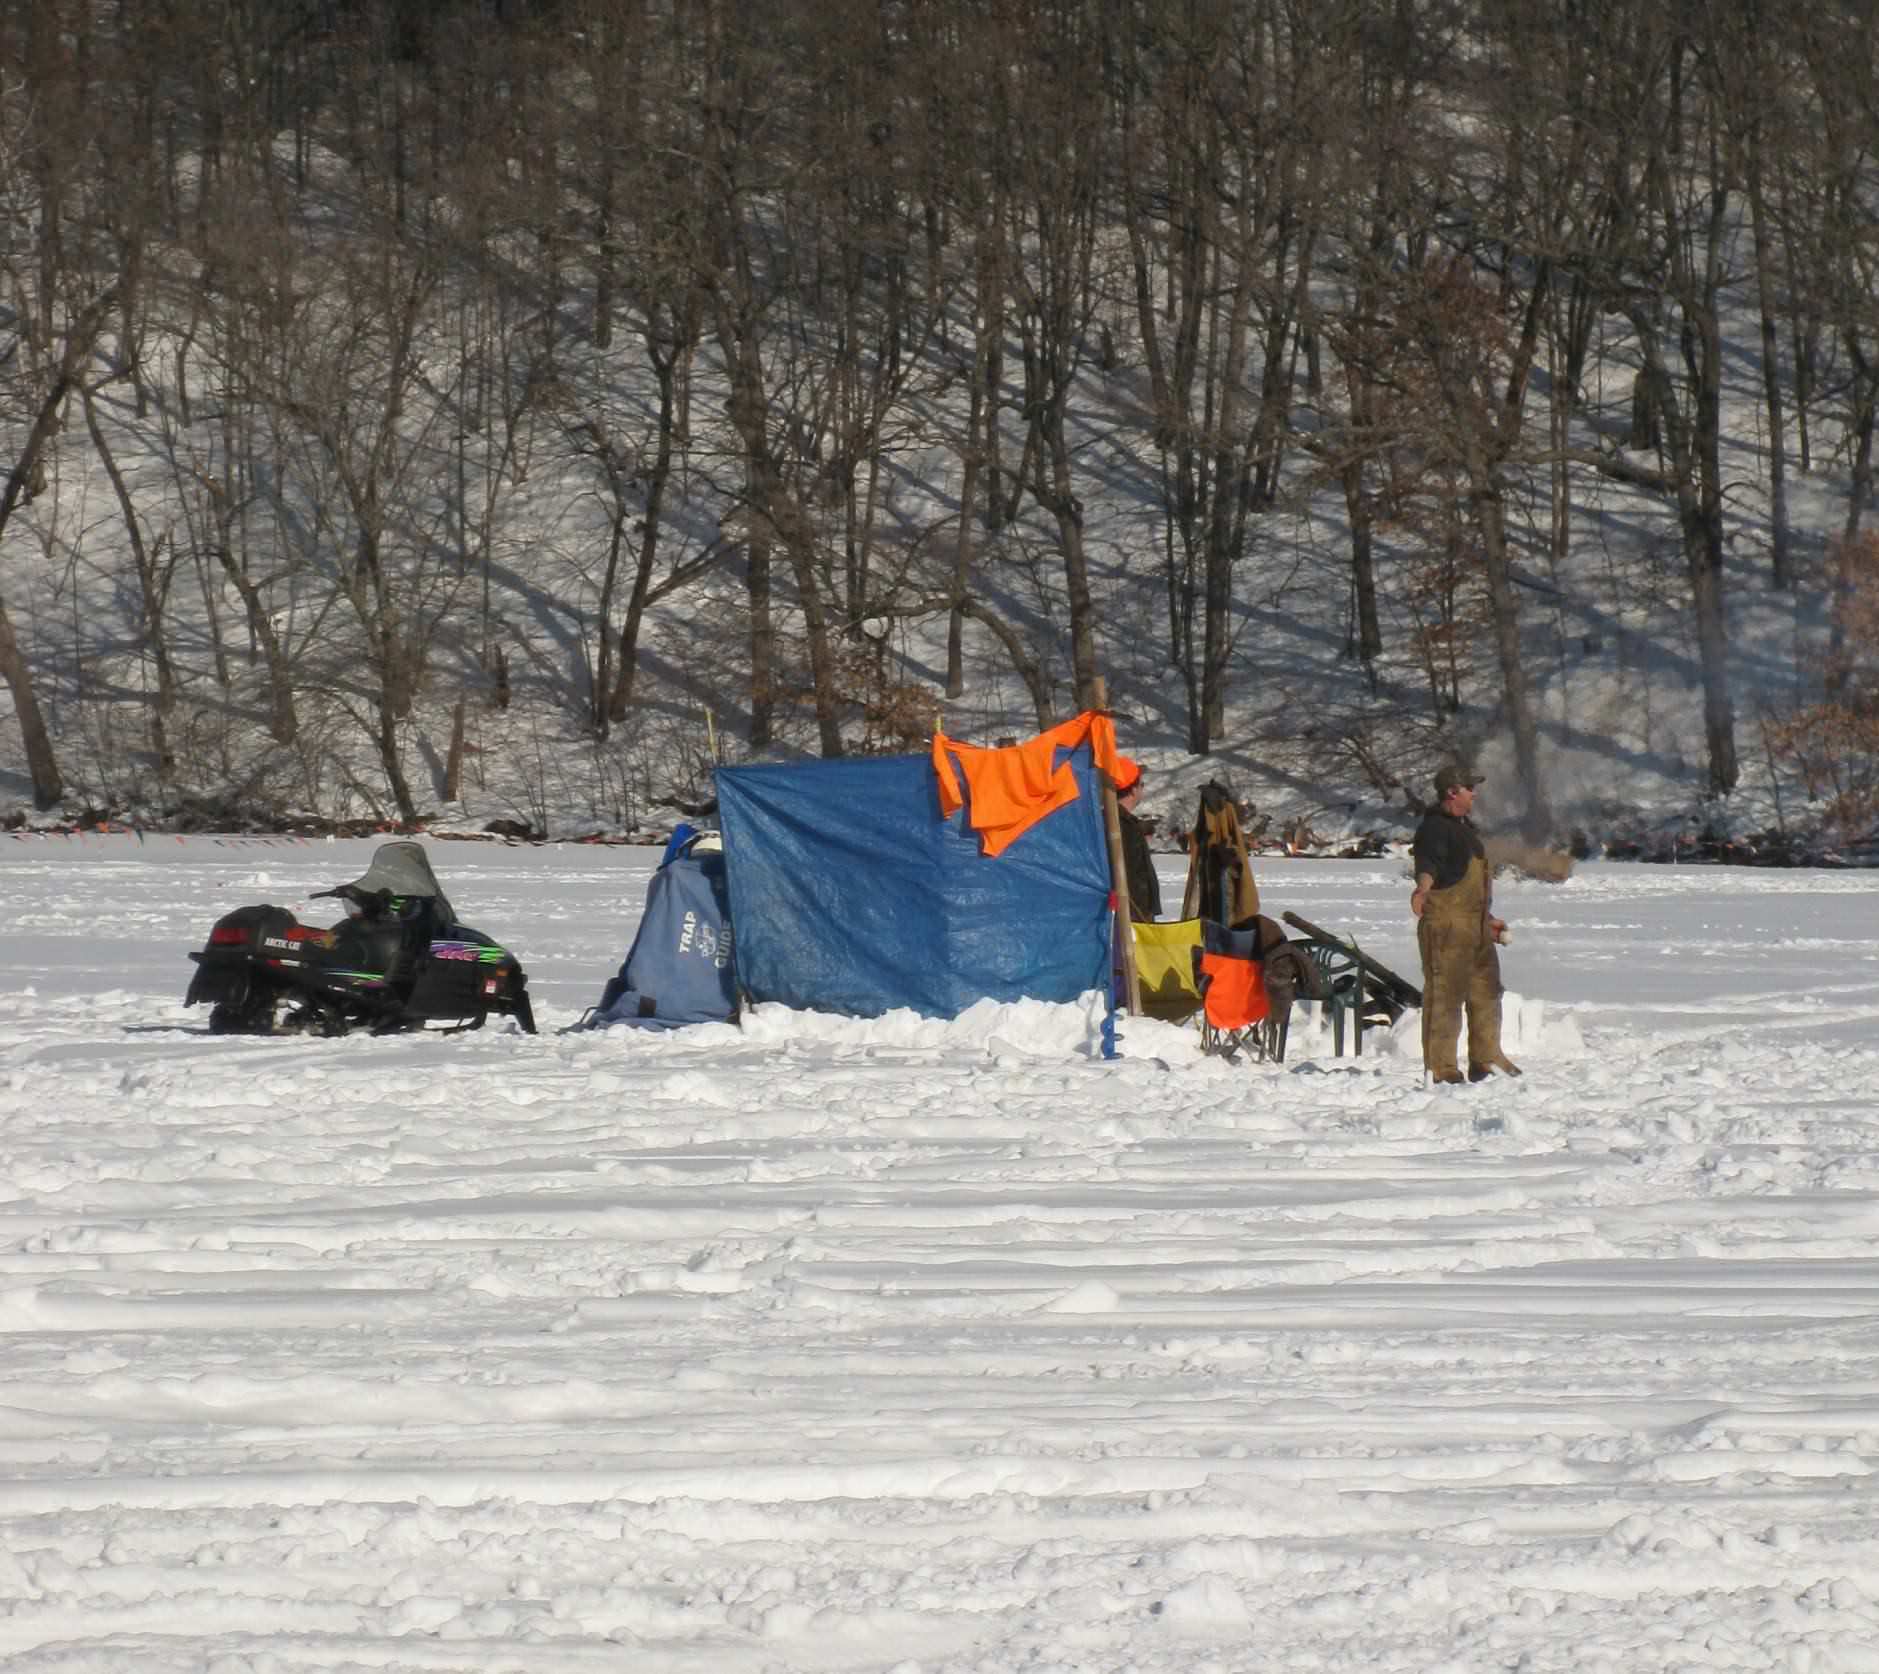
399	960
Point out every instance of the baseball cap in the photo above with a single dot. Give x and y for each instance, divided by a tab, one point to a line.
1128	775
1453	776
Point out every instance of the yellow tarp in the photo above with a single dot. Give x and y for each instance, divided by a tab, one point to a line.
1164	965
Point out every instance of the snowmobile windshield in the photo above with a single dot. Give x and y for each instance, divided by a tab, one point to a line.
404	869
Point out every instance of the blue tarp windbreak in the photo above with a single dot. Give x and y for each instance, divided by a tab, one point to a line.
852	895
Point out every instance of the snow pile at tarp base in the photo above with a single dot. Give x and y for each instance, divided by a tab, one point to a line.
1030	1028
1044	1029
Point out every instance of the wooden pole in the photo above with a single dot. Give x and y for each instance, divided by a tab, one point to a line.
1119	875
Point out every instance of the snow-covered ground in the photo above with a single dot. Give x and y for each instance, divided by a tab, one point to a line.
907	1347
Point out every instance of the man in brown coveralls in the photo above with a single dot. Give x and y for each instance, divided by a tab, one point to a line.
1456	936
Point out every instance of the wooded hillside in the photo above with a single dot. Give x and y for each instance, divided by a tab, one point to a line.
396	396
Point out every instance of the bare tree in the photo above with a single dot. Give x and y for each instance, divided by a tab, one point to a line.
636	472
1063	172
1391	155
355	392
1827	201
153	587
51	314
1458	374
1658	142
219	482
955	64
756	263
1682	260
1752	79
1216	111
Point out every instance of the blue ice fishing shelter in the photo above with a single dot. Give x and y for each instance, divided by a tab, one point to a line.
851	894
680	968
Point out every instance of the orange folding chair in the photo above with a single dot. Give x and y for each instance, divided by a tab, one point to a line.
1236	1014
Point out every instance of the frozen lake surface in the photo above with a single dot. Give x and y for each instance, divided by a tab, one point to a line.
907	1347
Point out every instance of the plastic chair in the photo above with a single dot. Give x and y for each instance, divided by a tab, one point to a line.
1344	993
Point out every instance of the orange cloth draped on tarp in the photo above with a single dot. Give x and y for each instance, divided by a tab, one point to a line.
1015	785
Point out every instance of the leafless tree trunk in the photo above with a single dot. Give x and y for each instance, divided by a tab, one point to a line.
746	282
41	761
1780	556
360	402
1382	64
976	164
1062	170
1863	399
636	489
1222	168
1693	229
153	586
763	661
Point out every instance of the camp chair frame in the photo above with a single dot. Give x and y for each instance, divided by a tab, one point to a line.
1263	1042
1236	1015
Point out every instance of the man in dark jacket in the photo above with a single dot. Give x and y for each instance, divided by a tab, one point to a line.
1138	865
1456	935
